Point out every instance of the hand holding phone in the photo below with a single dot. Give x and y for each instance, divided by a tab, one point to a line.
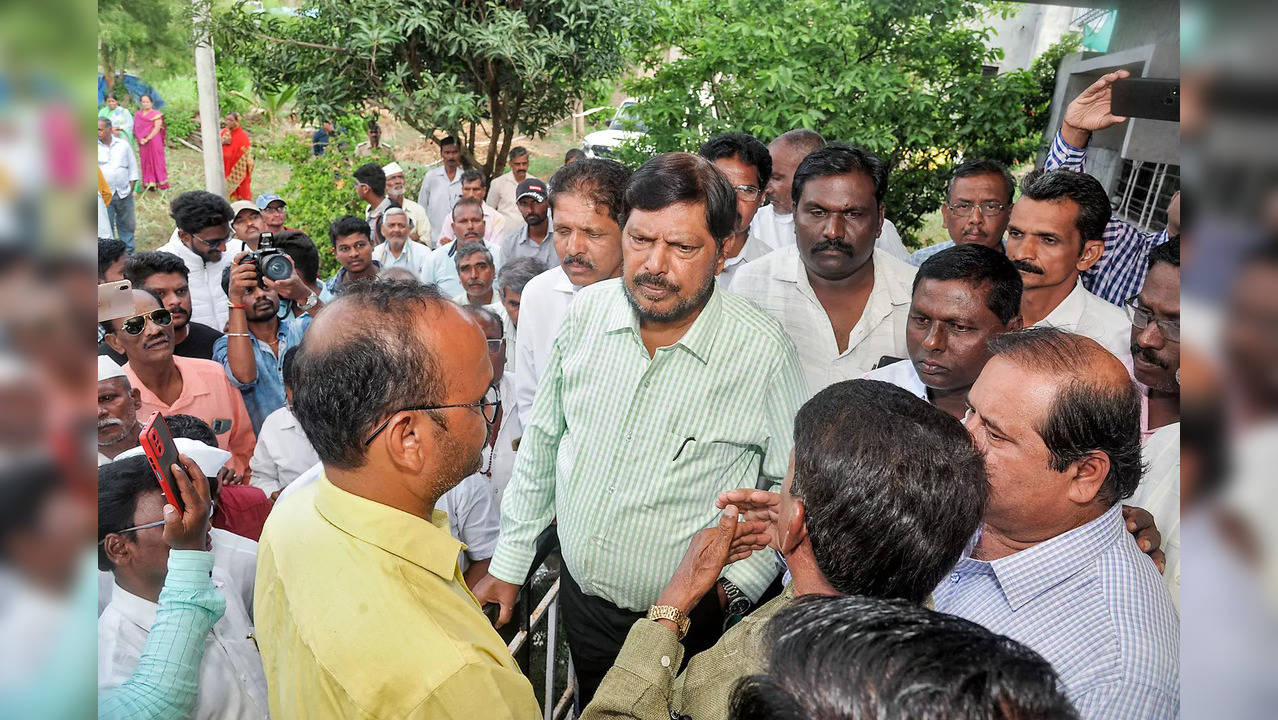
188	529
162	454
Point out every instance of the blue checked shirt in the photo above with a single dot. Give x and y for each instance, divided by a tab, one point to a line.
1120	273
1093	605
264	395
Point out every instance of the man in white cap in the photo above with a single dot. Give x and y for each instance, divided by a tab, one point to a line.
398	250
396	190
247	225
118	404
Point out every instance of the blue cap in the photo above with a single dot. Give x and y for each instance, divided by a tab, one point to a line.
266	199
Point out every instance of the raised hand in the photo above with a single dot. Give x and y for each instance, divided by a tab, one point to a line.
188	529
756	506
1091	110
710	550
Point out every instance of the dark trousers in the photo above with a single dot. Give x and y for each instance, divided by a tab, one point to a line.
596	629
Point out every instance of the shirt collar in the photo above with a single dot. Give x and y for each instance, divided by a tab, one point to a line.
698	340
425	544
1070	311
1033	571
135	609
562	283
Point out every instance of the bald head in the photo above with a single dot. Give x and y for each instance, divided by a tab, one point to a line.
787	151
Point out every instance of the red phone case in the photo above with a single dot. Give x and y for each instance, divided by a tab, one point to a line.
162	453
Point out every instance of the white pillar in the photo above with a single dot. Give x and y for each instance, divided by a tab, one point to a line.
210	117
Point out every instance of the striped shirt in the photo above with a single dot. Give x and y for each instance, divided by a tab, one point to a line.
1093	605
629	451
1120	273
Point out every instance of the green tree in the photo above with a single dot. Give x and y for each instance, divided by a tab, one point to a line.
484	71
133	34
900	77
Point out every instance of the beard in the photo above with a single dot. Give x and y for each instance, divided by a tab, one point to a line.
457	461
683	308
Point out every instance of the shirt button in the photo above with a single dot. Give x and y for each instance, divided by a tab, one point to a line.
954	577
665	661
628	437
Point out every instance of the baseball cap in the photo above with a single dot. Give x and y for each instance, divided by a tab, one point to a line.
531	187
392	169
266	199
241	205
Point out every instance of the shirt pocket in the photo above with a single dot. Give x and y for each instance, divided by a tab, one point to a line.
699	468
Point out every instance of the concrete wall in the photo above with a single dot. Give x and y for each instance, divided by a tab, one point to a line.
1025	35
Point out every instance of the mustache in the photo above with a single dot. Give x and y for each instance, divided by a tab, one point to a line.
579	259
656	281
839	245
1027	266
1147	355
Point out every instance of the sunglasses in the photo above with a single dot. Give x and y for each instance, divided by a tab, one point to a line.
136	324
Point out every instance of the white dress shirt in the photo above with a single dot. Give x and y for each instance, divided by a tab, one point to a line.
770	231
778	284
118	166
231	684
1085	314
413	256
234	554
495	227
208	301
901	374
437	196
512	428
419	221
501	195
730	268
1159	493
441	268
282	452
542	308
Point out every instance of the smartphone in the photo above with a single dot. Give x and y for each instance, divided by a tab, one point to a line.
115	300
1153	98
162	453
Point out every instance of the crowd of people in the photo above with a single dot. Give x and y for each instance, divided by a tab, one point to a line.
787	468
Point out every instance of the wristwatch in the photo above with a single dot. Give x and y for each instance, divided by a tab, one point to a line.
673	614
310	302
738	602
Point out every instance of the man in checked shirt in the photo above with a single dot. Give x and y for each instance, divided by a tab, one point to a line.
1120	272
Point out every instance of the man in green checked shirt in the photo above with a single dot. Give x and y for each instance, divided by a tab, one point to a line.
660	393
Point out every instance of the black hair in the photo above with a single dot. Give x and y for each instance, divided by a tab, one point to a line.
191	428
673	178
195	210
299	246
602	182
452	215
472	175
142	265
109	250
1168	252
372	125
971	168
349	384
840	159
111	96
26	484
372	175
120	483
448	140
1083	189
286	365
349	225
574	154
517	151
858	658
515	274
744	147
982	268
1085	415
892	488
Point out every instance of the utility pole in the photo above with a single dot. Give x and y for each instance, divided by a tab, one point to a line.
210	117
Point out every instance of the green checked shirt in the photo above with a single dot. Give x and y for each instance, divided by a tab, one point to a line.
629	452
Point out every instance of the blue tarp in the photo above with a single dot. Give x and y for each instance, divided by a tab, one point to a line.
134	86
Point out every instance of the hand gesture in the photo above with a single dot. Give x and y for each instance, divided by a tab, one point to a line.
757	506
710	550
1090	111
188	529
1140	523
291	288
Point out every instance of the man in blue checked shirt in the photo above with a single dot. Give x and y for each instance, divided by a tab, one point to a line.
1119	274
1058	420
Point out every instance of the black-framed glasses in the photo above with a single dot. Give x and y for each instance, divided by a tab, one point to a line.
488	409
988	209
136	324
496	344
1141	317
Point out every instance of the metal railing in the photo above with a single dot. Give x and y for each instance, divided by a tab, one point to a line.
548	610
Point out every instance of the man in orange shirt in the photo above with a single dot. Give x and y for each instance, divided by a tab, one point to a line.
172	384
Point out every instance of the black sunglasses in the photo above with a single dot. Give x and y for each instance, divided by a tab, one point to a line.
136	324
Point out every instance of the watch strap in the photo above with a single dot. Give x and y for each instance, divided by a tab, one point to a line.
674	615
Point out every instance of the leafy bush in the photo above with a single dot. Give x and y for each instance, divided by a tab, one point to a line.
321	188
182	106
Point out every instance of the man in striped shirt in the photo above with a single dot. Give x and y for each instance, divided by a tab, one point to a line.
660	393
1058	420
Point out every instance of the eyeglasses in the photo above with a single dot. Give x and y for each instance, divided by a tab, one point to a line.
212	243
988	209
1141	317
157	523
136	324
488	408
496	345
749	193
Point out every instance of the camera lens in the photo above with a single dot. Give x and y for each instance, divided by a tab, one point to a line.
278	266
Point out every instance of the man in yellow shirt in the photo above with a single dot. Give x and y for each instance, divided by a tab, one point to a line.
361	610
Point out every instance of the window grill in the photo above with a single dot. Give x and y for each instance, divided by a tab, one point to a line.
1143	192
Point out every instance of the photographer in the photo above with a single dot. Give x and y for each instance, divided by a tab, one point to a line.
256	336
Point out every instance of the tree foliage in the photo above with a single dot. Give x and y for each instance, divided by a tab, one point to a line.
484	71
138	34
900	77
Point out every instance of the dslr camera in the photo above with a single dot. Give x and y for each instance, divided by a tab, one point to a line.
270	261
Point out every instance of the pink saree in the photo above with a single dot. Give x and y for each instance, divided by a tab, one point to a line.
151	154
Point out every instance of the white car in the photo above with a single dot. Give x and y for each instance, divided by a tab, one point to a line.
601	143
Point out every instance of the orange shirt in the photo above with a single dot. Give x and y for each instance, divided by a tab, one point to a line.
207	395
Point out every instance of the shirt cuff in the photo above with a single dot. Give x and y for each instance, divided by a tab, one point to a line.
754	574
189	569
1066	155
651	652
509	564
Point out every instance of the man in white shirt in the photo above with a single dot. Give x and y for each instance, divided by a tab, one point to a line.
203	227
962	297
396	189
474	186
1055	233
399	250
773	225
468	225
587	198
283	452
748	166
502	194
120	170
131	546
441	187
843	302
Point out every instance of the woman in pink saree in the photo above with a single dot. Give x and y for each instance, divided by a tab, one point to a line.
148	128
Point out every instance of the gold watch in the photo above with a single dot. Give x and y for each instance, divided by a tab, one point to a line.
673	614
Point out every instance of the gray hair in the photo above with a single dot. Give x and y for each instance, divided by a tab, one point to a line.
398	272
515	274
395	210
465	250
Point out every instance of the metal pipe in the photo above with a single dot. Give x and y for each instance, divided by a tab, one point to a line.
552	624
519	639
